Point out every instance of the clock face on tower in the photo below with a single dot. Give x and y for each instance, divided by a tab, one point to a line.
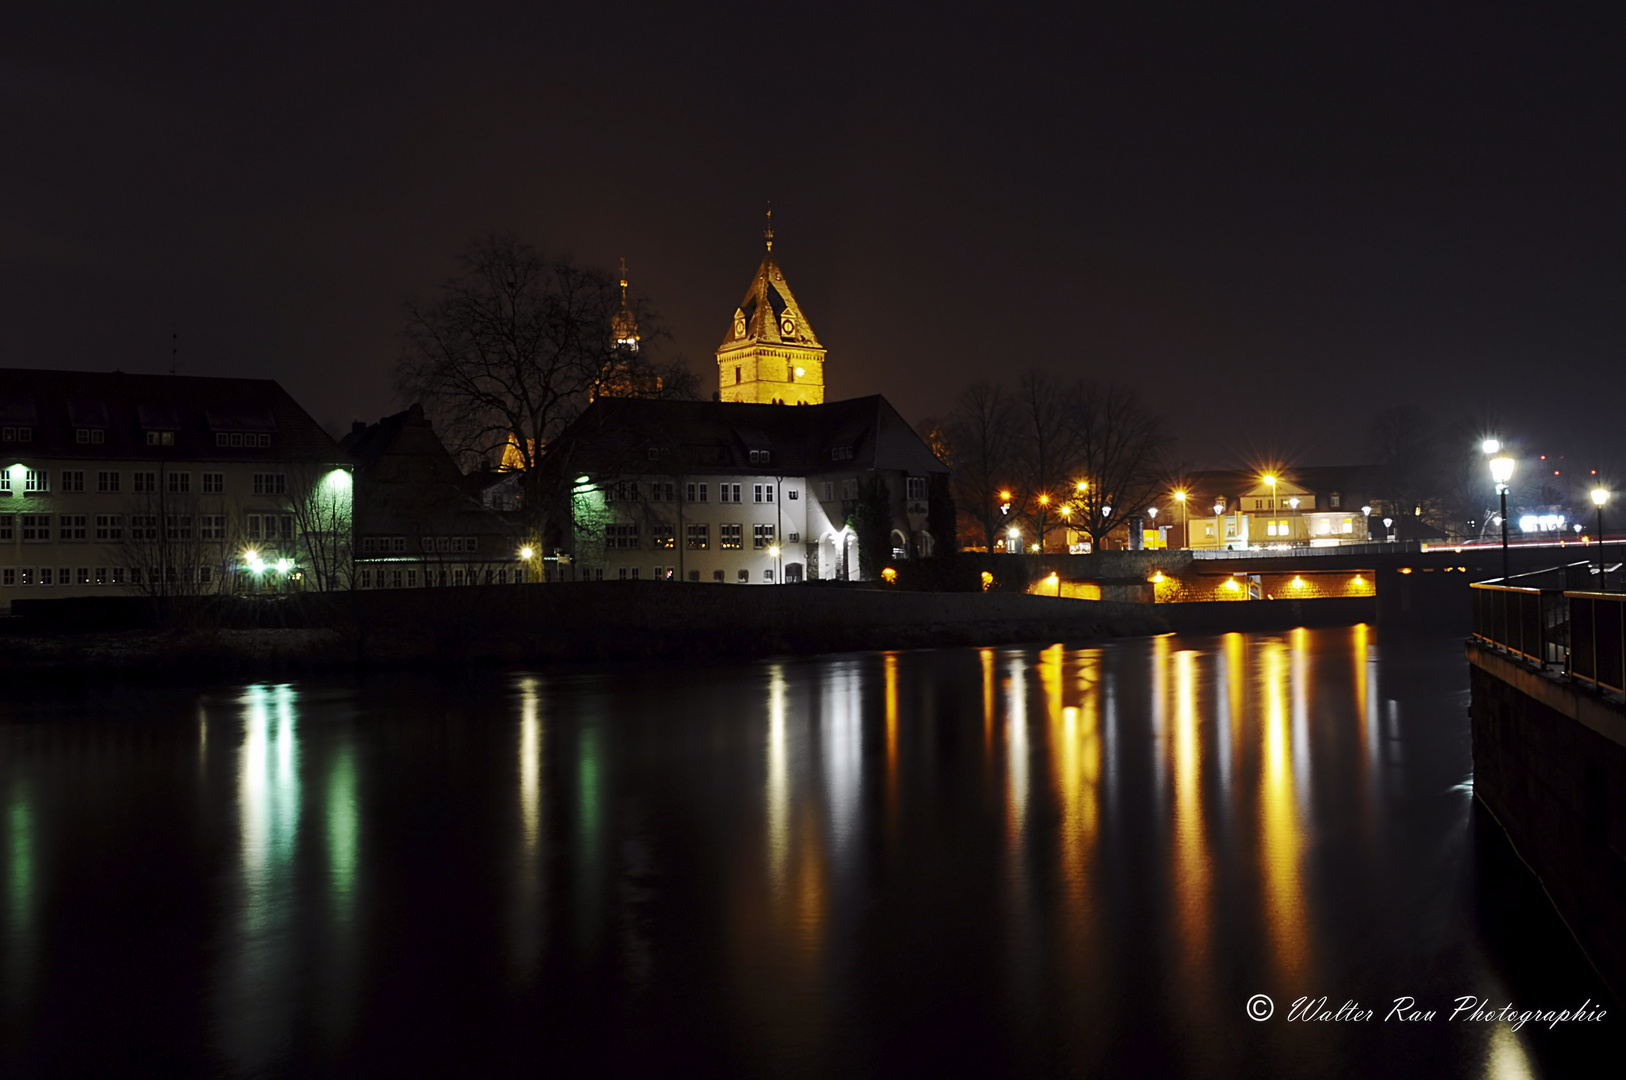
787	328
739	324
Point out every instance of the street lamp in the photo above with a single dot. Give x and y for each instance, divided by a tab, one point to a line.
1501	468
1388	530
1600	495
1294	503
1185	534
1014	545
1219	525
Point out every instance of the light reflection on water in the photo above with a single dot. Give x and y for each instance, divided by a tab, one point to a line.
1023	860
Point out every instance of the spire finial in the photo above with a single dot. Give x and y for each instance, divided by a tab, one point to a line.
767	234
623	279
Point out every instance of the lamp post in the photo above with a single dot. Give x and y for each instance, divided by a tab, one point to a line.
1294	503
1185	533
1600	495
1219	524
1366	511
1151	512
1388	530
1501	468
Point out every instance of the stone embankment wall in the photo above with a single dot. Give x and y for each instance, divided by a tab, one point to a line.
539	624
1550	765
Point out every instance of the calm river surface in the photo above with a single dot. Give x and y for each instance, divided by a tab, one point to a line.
1003	861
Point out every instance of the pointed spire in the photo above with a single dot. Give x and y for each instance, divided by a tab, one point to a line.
624	327
767	234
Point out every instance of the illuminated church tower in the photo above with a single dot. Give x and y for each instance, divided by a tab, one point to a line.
770	355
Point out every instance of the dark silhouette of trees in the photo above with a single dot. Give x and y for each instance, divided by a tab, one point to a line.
513	347
1119	446
978	443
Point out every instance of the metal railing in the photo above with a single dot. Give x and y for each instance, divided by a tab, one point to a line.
1597	652
1532	623
1399	547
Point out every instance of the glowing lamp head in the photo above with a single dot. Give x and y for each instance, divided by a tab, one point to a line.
1270	481
1388	522
1293	502
1179	496
889	575
18	474
1367	510
1082	486
338	481
1219	506
1599	496
284	565
1501	468
1044	500
527	552
1151	512
773	551
252	560
1491	446
1014	533
1005	496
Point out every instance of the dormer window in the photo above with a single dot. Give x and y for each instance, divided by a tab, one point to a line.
759	457
1336	500
89	436
237	440
17	434
160	438
841	453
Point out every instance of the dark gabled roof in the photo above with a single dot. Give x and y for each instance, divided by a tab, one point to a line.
703	437
55	404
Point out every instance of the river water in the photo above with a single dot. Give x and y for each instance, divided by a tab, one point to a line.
1006	861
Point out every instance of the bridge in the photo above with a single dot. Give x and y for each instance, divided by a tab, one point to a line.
1402	583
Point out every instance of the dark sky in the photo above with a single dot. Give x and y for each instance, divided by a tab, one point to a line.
1273	223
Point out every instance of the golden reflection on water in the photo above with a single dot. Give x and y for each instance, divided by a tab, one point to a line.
1279	824
778	793
1016	750
1075	741
1190	843
890	662
529	886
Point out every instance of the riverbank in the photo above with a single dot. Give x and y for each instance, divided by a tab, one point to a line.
548	624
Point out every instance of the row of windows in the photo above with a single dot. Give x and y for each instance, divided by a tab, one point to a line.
914	489
13	576
98	436
444	545
696	537
111	482
41	528
408	577
695	492
669	573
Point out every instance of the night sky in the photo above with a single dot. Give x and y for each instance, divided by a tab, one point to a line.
1273	223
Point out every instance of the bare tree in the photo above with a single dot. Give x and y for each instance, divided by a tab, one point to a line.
1406	442
1046	452
978	446
1119	446
513	347
319	499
